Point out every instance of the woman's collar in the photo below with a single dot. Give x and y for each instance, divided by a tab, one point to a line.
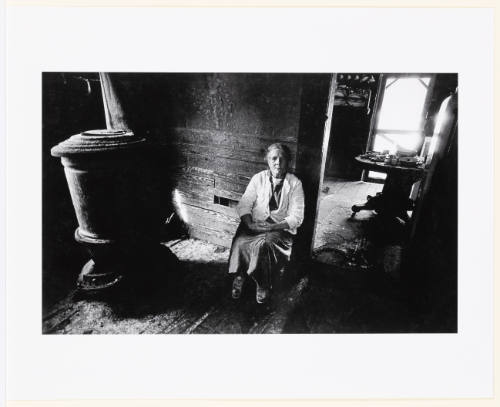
270	175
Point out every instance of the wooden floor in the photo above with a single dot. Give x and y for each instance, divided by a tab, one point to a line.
194	298
342	240
340	292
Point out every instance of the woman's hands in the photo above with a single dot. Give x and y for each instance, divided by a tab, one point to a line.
258	227
262	227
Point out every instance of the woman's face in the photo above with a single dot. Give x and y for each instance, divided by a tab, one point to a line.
277	163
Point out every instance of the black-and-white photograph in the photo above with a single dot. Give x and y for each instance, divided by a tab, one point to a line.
249	203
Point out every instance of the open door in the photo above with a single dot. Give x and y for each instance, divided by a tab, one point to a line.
317	100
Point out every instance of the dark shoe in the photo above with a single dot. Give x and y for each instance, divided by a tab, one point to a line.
237	287
262	295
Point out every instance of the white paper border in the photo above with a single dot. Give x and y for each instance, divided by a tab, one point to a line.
263	40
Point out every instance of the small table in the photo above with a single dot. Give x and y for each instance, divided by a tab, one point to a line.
394	199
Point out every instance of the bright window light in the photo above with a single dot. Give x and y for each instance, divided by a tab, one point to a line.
403	103
394	142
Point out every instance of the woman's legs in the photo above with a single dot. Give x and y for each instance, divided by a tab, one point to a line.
259	256
238	261
272	253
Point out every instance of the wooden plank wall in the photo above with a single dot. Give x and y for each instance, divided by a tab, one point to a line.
222	126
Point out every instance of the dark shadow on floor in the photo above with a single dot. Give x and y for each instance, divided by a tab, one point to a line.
188	296
337	301
195	297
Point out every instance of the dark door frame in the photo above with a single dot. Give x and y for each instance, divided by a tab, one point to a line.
317	101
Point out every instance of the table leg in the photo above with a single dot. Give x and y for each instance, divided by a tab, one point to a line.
394	199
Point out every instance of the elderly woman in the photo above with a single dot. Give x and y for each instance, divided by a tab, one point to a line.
271	210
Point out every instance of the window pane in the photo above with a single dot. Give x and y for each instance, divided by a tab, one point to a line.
396	142
381	143
403	103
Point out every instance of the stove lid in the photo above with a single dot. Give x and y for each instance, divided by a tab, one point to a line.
96	141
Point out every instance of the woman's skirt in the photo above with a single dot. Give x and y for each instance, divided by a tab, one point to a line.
260	255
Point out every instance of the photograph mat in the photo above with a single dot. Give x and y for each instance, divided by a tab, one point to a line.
249	40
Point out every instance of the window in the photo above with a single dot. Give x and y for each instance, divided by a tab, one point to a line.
400	119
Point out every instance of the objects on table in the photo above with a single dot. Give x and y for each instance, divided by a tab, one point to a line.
403	170
405	158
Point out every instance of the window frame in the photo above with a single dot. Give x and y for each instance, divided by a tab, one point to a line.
379	100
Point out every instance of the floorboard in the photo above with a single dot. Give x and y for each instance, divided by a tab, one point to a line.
341	292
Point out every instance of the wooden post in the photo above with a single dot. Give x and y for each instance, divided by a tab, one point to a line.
316	108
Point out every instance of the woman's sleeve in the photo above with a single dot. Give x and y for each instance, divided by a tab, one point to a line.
248	199
296	206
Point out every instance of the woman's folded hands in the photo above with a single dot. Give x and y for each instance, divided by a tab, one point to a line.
261	227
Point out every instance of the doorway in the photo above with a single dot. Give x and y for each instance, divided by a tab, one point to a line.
347	241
